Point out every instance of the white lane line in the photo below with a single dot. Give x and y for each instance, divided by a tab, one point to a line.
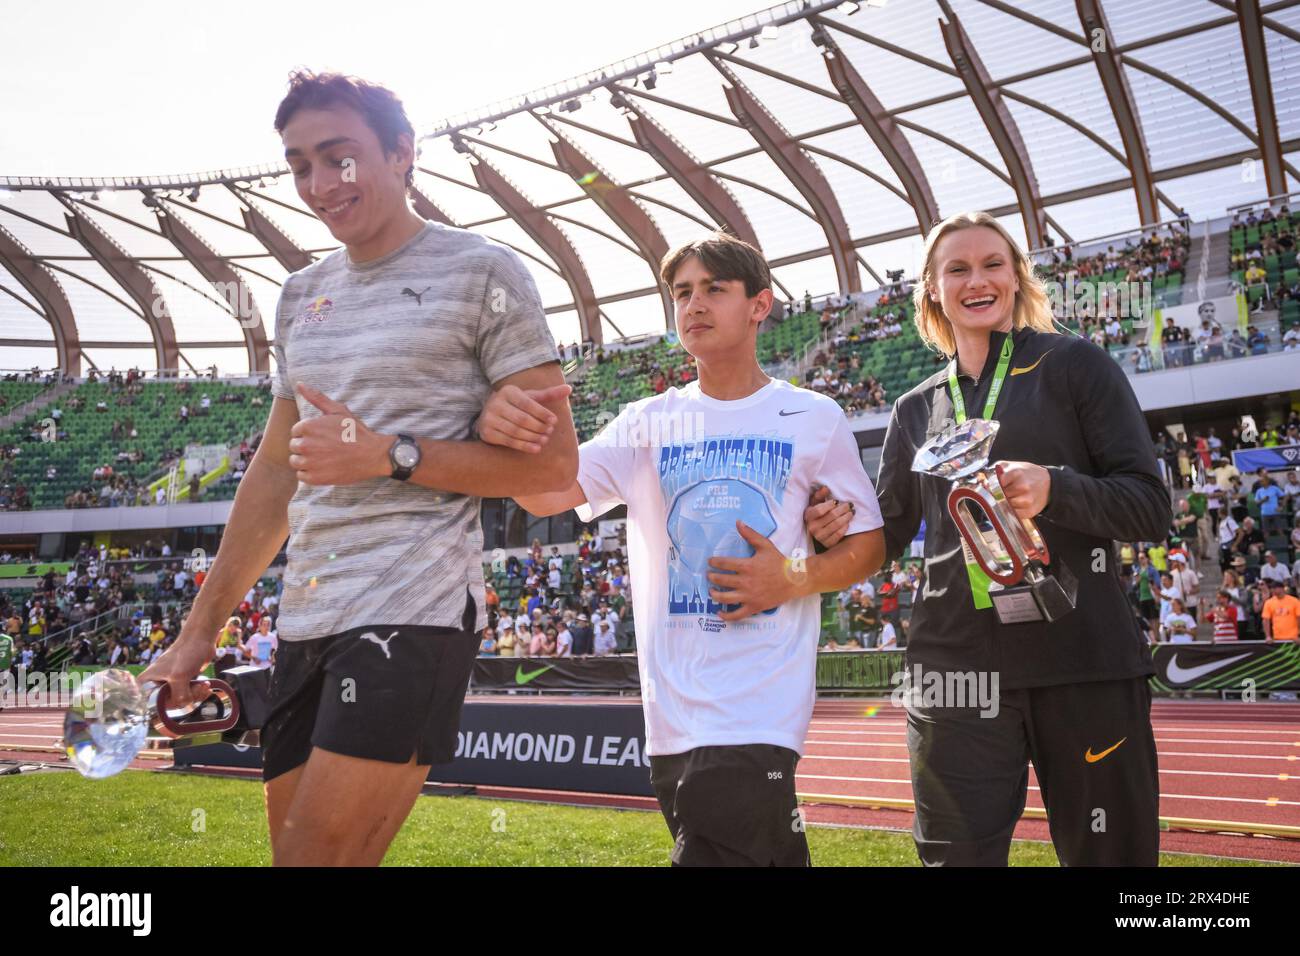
1159	740
867	726
1161	753
860	798
1192	773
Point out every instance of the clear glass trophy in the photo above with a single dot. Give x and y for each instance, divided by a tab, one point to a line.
1008	548
112	715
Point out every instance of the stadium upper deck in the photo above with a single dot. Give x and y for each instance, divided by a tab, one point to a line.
830	134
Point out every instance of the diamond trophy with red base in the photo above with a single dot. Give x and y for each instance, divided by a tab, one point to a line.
112	717
1009	549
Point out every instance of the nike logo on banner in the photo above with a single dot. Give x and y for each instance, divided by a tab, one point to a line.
1030	368
1091	757
783	412
522	678
1182	675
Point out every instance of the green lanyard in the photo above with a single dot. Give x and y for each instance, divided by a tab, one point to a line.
979	581
999	375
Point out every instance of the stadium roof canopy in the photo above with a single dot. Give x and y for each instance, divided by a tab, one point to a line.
829	134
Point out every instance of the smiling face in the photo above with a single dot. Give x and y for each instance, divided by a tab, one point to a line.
715	317
975	279
343	175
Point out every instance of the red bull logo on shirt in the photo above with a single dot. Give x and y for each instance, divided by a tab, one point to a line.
320	309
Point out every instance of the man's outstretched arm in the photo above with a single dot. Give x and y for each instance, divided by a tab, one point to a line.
488	471
336	448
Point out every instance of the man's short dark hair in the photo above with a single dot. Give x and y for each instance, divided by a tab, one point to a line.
725	257
378	106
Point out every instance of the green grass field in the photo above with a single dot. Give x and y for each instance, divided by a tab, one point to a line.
154	819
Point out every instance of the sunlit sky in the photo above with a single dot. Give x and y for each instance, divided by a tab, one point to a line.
150	88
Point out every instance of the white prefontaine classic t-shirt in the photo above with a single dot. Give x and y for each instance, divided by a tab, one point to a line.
688	466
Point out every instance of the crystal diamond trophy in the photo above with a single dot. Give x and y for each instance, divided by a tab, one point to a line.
112	715
1008	548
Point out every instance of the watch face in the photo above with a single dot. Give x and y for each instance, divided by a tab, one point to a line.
406	455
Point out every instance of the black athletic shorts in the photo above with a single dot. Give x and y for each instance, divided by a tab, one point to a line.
381	692
1094	755
731	806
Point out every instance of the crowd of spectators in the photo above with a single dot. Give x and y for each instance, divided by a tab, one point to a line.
1205	455
836	366
14	495
1258	557
663	372
104	487
874	614
589	613
71	608
1276	241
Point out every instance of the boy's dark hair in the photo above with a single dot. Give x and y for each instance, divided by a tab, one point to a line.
378	106
725	257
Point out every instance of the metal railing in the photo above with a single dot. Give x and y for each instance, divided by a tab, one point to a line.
1140	359
87	626
1262	204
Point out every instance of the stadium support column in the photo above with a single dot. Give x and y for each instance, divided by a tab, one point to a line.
546	234
133	279
1251	22
784	150
1105	53
614	201
285	250
1000	123
880	126
426	208
42	286
696	181
226	280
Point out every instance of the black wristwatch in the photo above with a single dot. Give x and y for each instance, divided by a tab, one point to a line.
405	456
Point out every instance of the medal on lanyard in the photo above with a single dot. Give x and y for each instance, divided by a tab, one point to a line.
979	581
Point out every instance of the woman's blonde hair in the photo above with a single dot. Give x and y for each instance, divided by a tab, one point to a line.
1032	307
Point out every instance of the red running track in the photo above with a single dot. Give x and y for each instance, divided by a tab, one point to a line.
1229	783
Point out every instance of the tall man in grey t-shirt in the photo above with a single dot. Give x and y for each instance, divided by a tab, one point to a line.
386	351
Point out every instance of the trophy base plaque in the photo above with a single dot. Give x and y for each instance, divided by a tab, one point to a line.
1049	597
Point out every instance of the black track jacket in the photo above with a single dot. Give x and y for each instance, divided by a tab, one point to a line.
1066	405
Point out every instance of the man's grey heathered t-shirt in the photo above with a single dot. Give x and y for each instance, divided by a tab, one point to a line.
411	343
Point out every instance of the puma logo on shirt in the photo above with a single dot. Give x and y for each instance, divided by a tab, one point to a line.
416	295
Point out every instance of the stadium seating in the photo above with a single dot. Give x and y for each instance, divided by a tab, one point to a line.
1251	243
612	390
13	394
156	416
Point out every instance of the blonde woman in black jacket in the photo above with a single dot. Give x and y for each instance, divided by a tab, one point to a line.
1071	695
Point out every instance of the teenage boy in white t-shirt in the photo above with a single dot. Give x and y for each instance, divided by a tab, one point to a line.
716	476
